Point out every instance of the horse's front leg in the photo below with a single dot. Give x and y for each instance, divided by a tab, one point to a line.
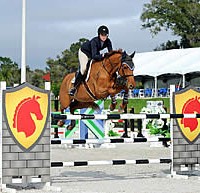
124	103
113	90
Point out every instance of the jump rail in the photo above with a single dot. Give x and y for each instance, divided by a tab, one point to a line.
123	116
111	162
102	141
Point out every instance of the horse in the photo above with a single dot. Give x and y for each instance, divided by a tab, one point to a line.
22	119
107	78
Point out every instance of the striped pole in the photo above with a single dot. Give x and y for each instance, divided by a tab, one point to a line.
102	141
124	116
111	162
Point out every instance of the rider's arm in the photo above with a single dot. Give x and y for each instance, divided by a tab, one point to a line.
95	52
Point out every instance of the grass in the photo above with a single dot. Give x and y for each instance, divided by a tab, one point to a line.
137	103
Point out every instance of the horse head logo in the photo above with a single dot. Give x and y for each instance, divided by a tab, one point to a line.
190	107
187	101
26	109
23	118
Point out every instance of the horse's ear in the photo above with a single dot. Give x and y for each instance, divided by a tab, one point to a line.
124	55
37	97
132	55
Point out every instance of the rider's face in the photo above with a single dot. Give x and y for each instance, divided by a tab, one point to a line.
103	37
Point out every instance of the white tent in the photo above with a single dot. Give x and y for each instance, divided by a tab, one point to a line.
176	61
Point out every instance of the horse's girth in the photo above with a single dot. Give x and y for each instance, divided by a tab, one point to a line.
89	91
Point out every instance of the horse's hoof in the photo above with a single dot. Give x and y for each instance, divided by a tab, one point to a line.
113	106
60	123
69	127
122	107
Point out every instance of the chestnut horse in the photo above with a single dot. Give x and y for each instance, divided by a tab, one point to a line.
103	81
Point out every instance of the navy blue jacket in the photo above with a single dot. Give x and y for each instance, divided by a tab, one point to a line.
93	47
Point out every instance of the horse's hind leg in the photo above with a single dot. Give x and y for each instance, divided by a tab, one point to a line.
72	125
80	105
72	109
113	102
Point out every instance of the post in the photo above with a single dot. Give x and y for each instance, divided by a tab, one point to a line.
183	84
139	124
56	106
23	59
132	121
2	87
125	134
172	90
156	86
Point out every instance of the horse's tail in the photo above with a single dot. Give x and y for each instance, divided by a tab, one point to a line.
95	106
65	86
79	105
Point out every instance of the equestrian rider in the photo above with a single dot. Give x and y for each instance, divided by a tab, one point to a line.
91	50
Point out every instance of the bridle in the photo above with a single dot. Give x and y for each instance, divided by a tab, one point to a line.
126	60
121	67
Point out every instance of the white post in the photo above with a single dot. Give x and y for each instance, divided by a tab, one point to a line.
156	87
183	85
47	86
172	90
2	87
23	59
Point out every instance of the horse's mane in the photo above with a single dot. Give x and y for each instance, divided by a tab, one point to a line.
17	110
107	55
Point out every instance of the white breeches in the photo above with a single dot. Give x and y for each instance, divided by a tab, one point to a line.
83	60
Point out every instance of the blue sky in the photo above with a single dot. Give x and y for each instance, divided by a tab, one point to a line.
53	25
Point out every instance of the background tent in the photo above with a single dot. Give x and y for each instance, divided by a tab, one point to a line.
183	64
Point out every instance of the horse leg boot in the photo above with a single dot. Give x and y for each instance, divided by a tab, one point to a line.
113	102
78	80
124	103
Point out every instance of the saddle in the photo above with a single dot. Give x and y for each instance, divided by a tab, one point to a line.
86	74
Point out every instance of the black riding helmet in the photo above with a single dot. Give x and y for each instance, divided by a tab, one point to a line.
103	30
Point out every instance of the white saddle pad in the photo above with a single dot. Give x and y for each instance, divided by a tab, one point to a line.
88	74
73	80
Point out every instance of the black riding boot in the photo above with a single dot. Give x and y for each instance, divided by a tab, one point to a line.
78	80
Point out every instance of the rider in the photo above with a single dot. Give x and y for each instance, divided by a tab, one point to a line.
91	49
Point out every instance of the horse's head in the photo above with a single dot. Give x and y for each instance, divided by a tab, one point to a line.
121	63
35	107
126	69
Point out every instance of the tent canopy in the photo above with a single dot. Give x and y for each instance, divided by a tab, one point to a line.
176	61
